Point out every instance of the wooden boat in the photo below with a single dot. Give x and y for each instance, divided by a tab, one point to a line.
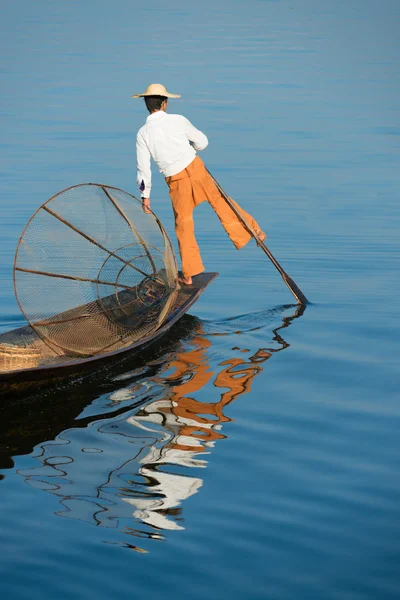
28	362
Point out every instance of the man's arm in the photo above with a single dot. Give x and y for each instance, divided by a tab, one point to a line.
143	170
196	137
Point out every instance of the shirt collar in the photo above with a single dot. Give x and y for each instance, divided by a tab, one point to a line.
156	115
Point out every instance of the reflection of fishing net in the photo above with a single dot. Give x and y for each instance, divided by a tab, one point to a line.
93	272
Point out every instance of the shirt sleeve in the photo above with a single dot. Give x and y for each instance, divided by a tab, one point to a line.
196	137
143	167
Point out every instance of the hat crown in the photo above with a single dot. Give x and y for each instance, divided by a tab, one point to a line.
156	89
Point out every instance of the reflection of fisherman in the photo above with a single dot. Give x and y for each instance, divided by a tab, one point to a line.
172	141
189	426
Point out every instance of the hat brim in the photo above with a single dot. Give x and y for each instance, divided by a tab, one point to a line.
167	95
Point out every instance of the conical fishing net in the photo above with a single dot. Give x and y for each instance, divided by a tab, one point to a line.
93	272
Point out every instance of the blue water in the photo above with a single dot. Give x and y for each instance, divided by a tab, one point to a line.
254	452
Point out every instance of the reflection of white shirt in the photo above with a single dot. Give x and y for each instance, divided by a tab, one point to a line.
169	492
171	141
170	488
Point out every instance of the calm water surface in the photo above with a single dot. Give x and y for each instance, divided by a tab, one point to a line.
254	452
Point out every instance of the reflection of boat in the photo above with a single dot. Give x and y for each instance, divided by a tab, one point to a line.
41	364
42	414
129	459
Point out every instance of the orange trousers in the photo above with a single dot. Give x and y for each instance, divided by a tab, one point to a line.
187	189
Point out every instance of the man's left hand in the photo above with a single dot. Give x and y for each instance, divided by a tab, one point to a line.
146	205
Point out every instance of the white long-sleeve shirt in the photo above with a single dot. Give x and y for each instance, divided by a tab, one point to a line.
171	140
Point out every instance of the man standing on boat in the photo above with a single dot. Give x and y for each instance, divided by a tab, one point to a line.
172	142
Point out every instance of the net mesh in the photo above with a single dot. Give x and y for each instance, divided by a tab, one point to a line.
93	272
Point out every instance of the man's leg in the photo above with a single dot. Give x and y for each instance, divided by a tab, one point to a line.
236	231
183	205
204	187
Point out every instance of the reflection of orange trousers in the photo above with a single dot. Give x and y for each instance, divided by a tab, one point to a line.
189	188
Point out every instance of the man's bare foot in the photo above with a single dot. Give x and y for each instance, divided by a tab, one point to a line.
185	280
262	236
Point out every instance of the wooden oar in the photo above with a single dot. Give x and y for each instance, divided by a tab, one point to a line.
296	291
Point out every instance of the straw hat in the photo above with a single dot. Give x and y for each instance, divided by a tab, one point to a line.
156	89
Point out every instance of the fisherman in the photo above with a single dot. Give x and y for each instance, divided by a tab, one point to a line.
172	141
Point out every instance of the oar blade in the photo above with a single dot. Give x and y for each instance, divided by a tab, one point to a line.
296	291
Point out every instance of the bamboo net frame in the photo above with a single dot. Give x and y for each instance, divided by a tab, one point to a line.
93	272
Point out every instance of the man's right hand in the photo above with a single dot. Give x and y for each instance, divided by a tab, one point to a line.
146	205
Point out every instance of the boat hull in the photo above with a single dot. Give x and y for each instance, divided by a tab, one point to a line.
60	367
